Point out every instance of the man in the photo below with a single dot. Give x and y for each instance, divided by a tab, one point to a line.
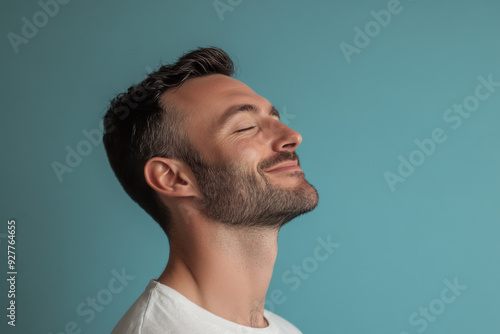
211	162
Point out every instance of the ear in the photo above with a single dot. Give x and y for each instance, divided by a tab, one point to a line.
170	177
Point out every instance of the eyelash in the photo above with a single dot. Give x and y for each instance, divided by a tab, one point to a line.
250	128
245	129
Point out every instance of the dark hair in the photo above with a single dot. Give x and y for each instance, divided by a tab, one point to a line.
140	125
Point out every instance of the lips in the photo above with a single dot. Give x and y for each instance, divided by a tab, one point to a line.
284	166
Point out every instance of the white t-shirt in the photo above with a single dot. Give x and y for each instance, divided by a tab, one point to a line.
163	310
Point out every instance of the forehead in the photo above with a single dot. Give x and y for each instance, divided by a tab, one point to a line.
204	99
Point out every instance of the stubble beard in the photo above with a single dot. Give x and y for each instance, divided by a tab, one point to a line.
238	197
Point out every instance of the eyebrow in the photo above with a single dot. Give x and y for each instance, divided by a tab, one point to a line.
236	109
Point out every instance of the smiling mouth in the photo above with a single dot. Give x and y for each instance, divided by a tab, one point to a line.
290	165
284	169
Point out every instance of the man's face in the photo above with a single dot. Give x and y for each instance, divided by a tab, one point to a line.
238	146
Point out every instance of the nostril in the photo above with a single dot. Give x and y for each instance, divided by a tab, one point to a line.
290	145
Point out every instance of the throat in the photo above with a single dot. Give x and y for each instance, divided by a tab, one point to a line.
228	273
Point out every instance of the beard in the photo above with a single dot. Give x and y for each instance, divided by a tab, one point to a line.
239	197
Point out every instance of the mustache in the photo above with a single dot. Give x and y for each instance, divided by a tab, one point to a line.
279	158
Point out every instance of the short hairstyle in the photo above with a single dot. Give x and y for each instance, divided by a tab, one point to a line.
139	125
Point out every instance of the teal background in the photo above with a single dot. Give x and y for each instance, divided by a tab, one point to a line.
356	119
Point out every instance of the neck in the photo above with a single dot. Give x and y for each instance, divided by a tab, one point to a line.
226	270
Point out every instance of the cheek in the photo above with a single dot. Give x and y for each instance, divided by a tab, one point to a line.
247	155
250	154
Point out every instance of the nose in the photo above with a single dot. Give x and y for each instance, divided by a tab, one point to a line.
284	138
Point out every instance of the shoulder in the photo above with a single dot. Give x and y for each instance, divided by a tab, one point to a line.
154	310
161	309
132	320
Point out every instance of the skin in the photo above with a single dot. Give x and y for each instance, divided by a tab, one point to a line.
223	268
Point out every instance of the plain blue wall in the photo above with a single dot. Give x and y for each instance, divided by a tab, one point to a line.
360	103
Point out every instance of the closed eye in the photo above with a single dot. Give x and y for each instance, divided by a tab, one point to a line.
245	129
